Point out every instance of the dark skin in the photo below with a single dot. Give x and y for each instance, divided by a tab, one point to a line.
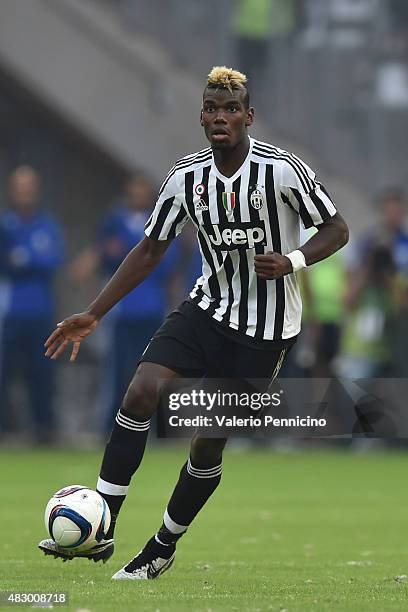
138	264
331	236
225	117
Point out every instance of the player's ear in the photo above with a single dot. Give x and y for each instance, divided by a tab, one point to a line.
250	116
201	117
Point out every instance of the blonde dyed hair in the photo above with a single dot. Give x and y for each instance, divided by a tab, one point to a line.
228	78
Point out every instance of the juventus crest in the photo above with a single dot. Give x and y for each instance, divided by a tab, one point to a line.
256	199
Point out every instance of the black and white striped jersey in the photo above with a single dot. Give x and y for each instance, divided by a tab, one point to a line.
256	210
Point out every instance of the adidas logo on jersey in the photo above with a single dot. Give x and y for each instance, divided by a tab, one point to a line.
233	236
201	205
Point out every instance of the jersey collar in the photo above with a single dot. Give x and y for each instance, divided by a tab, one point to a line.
232	178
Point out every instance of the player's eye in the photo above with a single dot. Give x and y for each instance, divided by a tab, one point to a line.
233	108
209	109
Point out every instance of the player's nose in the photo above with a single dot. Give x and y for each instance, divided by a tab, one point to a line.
220	117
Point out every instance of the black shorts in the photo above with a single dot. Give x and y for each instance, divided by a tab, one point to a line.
190	343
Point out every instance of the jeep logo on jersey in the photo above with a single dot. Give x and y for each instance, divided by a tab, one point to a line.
256	199
236	235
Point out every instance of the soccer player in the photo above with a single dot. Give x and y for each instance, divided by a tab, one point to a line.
245	199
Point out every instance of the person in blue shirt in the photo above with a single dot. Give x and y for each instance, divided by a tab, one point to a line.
134	320
31	251
391	230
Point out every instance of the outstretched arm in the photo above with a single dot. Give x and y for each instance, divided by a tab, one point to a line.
331	236
138	264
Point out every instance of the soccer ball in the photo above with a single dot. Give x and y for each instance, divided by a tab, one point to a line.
77	517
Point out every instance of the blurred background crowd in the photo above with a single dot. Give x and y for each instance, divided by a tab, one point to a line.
98	98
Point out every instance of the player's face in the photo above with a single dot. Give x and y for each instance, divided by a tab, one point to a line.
139	194
225	117
24	191
394	213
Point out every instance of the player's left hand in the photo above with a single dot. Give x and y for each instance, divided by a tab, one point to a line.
272	265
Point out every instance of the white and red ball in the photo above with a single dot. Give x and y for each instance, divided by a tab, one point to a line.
77	517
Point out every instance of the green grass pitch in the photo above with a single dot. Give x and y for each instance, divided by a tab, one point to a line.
321	531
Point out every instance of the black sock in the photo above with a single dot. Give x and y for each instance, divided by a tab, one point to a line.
165	537
194	487
162	544
123	455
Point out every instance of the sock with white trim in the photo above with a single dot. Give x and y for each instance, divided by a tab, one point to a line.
194	487
123	455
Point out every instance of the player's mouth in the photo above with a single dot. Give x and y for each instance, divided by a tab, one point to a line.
219	135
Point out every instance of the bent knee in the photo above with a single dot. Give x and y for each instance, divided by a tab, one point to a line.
207	451
141	399
143	395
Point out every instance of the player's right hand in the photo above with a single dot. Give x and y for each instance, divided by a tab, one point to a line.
74	329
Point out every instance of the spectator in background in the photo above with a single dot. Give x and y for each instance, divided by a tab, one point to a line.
139	314
391	231
370	329
323	291
259	25
375	295
31	251
401	336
